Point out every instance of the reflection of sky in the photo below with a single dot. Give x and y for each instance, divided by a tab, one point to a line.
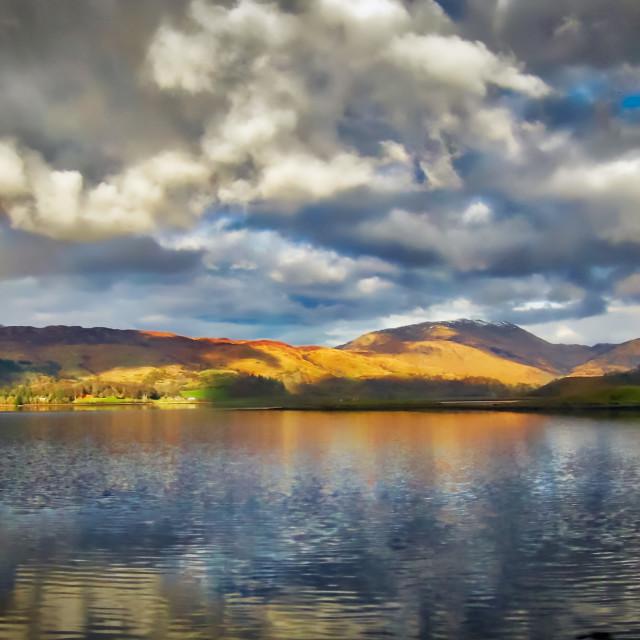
311	525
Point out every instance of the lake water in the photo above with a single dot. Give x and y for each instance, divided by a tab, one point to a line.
301	525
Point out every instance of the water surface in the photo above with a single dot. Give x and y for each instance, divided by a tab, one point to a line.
295	525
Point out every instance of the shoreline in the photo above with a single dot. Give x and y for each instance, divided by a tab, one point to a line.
515	406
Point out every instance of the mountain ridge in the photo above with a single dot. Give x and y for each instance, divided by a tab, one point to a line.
462	350
504	339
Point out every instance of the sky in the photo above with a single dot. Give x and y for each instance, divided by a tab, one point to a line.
310	170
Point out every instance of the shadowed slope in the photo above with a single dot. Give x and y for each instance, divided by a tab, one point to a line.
613	389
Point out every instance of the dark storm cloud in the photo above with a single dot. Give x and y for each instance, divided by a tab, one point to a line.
71	79
548	33
23	254
592	305
554	237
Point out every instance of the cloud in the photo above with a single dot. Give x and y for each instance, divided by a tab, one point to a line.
288	167
454	62
40	199
629	288
466	241
296	267
13	181
611	184
476	214
584	32
269	91
100	264
620	321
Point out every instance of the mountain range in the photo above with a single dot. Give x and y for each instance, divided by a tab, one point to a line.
467	351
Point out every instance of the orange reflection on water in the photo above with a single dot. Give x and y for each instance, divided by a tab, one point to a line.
447	444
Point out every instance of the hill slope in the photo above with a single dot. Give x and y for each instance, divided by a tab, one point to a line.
136	356
615	358
462	350
503	340
609	390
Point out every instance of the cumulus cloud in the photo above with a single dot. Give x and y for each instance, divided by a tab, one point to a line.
40	199
274	94
296	266
454	62
13	181
616	178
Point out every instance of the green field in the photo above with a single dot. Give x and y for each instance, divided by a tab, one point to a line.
208	394
625	395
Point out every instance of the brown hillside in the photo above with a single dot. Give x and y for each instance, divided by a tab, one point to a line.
502	340
616	358
448	350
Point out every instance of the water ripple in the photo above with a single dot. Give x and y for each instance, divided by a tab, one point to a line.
264	525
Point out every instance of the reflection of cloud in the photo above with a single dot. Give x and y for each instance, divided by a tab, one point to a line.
88	597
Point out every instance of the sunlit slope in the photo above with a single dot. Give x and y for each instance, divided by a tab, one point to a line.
616	358
147	357
501	340
441	359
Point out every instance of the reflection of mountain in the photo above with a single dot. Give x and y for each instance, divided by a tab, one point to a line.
445	351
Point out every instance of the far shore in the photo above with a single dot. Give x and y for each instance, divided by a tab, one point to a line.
512	405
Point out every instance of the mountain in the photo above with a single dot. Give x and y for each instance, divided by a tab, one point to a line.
134	356
612	359
613	389
501	339
469	352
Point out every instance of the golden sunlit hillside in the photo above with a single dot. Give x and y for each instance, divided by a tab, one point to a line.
168	364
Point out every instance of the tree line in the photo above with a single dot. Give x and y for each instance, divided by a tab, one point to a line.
63	392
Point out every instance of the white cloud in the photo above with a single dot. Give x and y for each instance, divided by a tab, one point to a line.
610	190
615	179
618	324
454	62
294	265
181	61
567	335
308	178
373	285
272	92
308	266
496	126
411	230
13	181
59	204
537	305
453	309
477	213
